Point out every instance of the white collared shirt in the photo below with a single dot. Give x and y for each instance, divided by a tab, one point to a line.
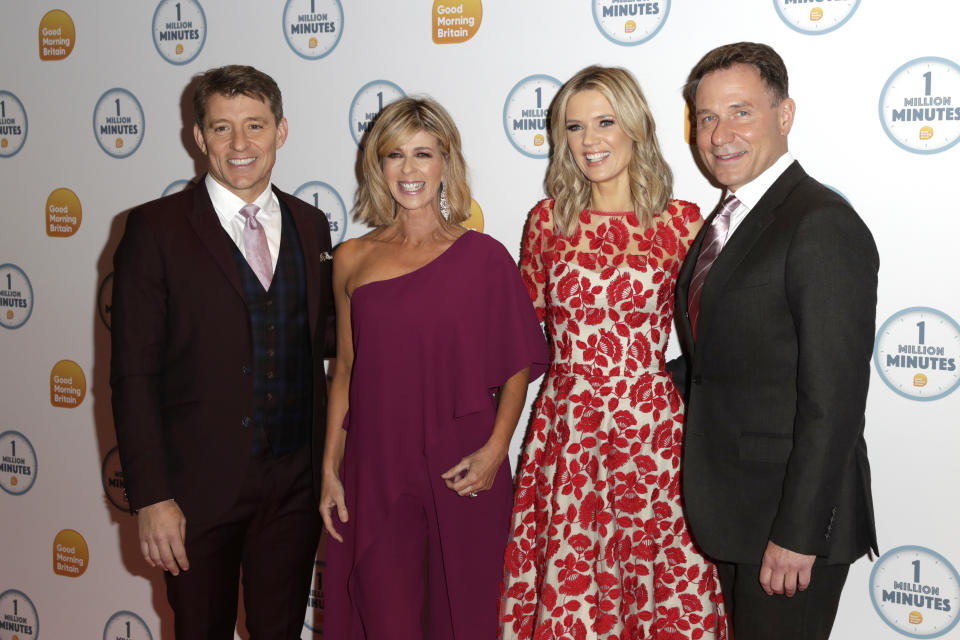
228	205
749	194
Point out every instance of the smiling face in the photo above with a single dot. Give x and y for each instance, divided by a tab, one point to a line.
240	138
740	131
600	146
413	171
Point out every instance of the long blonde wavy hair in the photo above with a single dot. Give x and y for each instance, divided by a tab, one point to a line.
651	181
397	123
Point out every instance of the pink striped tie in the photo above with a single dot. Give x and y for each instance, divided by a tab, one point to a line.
255	247
709	250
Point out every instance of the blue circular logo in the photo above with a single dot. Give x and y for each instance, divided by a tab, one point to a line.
126	625
179	30
918	105
16	296
368	103
817	20
915	591
916	353
175	187
13	125
324	197
118	123
630	23
19	614
18	463
313	27
525	114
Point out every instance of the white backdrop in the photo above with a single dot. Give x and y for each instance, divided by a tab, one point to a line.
854	68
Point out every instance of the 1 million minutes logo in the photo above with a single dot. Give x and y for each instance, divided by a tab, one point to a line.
13	124
126	625
916	591
312	27
16	296
368	103
18	463
629	23
525	114
822	18
179	30
18	615
118	123
916	353
324	197
920	105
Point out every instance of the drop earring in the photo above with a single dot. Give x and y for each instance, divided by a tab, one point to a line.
444	204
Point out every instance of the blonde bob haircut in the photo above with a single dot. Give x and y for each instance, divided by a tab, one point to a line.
651	181
397	123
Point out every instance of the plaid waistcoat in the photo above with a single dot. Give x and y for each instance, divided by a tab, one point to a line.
282	365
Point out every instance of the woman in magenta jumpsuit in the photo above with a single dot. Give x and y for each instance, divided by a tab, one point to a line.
437	341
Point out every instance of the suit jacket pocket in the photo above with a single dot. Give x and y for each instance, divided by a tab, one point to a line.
765	447
736	284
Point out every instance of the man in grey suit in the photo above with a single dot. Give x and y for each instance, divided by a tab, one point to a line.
776	304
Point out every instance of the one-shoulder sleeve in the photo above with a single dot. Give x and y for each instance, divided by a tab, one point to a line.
507	336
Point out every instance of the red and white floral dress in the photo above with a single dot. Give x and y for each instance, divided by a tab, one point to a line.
598	544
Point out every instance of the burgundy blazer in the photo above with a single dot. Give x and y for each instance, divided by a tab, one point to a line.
182	351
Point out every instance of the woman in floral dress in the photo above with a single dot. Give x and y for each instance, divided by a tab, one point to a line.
599	547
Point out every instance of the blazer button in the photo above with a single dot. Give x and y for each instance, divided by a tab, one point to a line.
245	422
269	375
697	379
245	370
271	327
271	353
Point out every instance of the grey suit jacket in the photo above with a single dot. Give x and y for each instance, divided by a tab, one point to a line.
776	382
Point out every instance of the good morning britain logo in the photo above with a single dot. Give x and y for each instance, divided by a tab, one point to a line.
455	22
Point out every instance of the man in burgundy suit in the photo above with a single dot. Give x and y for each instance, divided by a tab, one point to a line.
222	316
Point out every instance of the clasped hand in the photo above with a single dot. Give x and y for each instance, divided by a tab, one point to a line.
474	473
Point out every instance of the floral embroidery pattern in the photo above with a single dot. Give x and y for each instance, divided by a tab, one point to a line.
599	547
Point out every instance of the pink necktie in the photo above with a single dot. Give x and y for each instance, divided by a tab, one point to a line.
709	250
255	247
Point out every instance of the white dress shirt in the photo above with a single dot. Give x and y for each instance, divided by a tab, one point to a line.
749	194
228	205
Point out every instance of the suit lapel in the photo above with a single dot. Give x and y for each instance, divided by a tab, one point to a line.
743	240
306	232
207	225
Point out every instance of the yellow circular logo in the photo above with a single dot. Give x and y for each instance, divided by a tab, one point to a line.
816	14
63	213
68	386
71	557
919	380
57	35
915	617
475	221
455	22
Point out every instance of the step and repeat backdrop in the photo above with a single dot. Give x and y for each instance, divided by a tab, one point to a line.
95	118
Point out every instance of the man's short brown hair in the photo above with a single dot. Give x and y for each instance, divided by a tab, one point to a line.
233	80
759	56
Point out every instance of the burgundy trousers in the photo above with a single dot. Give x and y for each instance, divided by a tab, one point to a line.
271	533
